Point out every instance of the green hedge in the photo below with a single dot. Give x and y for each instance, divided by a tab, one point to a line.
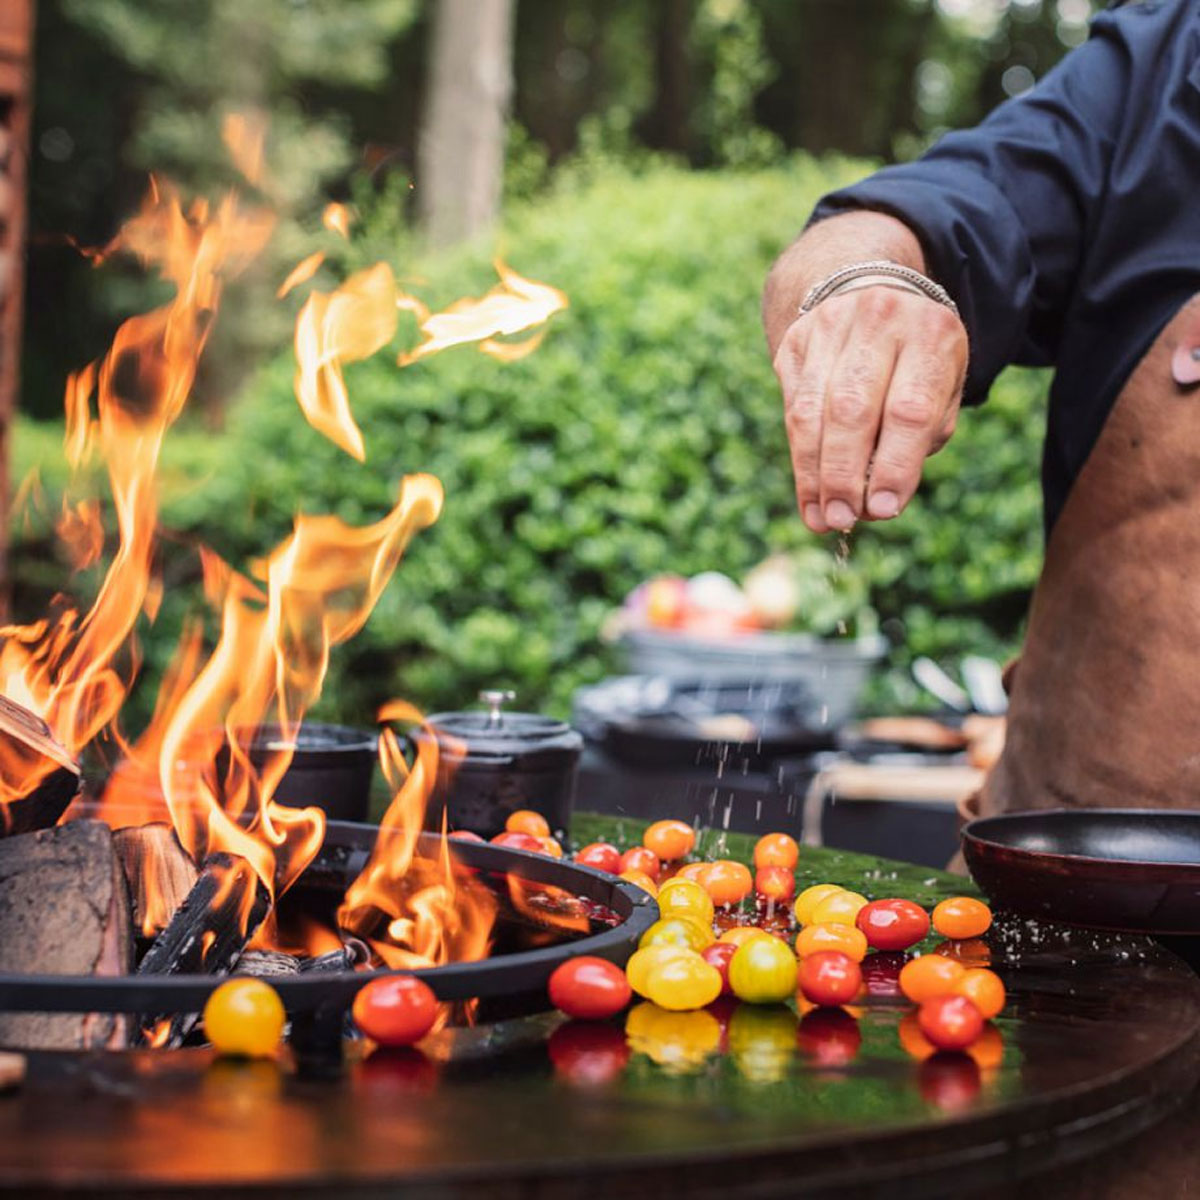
643	436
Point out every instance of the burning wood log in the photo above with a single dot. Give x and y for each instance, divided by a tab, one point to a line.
63	910
207	933
265	964
38	778
158	872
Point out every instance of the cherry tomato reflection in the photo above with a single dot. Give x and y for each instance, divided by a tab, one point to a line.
950	1081
588	1053
829	1037
881	973
397	1070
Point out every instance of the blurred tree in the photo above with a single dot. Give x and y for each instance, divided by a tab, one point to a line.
185	64
461	163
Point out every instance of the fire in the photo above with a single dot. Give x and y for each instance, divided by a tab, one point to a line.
415	911
512	306
196	764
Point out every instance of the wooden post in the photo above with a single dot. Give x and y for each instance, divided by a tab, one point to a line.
16	72
463	129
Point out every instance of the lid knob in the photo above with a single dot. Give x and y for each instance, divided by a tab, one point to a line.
495	701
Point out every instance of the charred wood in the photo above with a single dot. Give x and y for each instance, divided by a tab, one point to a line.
207	934
64	910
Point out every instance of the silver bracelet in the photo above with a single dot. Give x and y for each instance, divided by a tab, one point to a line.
888	273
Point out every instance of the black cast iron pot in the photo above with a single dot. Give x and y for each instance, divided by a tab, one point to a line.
490	764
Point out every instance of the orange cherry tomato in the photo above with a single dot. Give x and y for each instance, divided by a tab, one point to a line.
775	883
829	978
950	1022
525	820
670	840
551	847
642	880
693	871
727	882
988	1050
812	939
962	917
974	952
914	1042
640	859
984	989
776	850
930	975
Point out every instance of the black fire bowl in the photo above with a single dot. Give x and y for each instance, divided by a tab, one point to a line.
343	855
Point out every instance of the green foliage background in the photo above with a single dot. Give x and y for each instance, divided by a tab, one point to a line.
644	436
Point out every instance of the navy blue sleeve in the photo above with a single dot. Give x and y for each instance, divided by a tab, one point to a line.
1003	210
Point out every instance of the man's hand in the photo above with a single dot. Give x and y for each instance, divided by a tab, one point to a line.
872	379
872	382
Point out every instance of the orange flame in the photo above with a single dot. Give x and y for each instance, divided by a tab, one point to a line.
66	669
302	272
336	218
513	305
415	911
334	328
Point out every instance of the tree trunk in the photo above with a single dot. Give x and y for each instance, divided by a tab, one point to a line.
16	67
461	154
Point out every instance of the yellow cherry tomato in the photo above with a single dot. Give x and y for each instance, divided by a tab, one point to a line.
642	962
840	908
762	1041
640	879
680	1042
683	983
845	938
810	897
763	971
743	933
677	931
683	898
244	1017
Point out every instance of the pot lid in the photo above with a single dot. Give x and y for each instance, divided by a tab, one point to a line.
495	733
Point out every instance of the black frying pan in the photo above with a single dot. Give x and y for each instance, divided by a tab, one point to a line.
1136	870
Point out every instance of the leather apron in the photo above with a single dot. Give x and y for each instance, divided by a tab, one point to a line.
1105	701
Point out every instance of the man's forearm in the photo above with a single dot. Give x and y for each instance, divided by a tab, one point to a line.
819	251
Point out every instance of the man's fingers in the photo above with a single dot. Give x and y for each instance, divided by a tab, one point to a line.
805	360
853	403
918	414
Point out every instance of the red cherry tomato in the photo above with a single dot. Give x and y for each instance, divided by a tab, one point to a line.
589	988
830	1037
718	955
830	977
602	856
950	1022
893	924
775	883
881	974
465	835
396	1010
641	859
588	1053
519	841
950	1082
